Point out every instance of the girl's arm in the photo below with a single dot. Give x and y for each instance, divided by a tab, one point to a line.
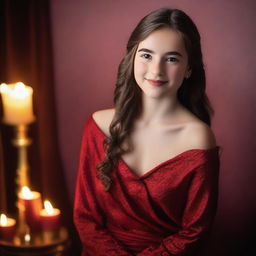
198	214
88	217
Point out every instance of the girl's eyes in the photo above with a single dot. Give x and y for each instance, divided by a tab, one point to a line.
146	56
149	57
172	59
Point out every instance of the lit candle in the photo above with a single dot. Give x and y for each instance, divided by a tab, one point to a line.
32	204
7	228
50	217
27	238
17	103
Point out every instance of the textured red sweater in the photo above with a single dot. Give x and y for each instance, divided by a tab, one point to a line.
166	211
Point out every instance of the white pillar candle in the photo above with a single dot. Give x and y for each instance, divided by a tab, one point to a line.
17	103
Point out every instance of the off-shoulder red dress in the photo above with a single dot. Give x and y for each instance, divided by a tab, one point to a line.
166	211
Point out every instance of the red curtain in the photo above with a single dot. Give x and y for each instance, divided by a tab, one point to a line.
26	55
3	208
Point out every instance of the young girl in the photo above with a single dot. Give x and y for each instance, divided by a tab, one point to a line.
148	175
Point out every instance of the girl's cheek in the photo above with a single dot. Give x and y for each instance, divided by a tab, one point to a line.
176	71
140	67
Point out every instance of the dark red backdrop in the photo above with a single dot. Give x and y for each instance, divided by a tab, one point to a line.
89	41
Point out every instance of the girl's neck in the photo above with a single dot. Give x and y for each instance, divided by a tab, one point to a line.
155	110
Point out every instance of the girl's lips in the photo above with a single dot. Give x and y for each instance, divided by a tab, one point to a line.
156	82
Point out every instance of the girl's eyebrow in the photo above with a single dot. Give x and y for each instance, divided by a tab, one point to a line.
167	53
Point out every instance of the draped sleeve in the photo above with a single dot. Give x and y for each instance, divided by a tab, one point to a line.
199	213
88	216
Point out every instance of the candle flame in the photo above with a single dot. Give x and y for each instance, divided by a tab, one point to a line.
48	207
3	220
20	91
3	88
27	238
26	193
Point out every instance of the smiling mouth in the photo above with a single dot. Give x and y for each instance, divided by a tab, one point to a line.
156	83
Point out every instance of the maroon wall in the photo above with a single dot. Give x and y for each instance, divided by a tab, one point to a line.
89	41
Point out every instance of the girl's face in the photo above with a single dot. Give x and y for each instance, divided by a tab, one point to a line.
161	63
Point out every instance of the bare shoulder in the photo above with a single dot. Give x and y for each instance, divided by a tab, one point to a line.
103	119
199	135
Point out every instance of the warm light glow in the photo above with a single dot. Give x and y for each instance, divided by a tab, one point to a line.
3	88
26	193
20	91
3	220
27	238
17	103
48	207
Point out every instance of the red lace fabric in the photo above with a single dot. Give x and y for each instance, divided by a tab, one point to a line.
167	211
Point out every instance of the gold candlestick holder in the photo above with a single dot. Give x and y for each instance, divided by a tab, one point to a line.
22	141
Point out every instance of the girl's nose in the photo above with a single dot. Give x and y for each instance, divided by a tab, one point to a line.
157	68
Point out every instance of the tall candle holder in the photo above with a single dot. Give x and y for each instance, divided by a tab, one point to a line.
18	112
22	141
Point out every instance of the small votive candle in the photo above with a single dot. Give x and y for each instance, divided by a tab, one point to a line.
32	204
7	228
50	217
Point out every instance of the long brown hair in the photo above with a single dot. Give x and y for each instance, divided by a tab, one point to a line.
127	95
